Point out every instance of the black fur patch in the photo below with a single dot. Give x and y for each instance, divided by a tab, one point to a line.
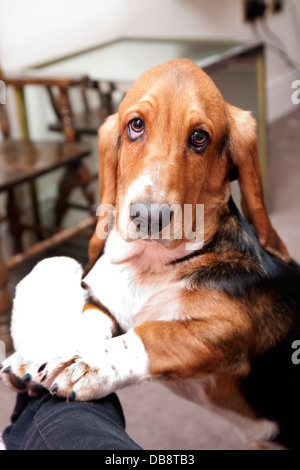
269	291
240	266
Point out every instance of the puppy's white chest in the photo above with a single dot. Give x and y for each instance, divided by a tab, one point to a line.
124	290
115	288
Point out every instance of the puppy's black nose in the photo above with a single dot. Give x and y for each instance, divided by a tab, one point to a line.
150	218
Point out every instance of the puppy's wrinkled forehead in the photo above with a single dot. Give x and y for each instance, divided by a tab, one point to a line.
180	81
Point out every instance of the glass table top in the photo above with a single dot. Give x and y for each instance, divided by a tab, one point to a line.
126	59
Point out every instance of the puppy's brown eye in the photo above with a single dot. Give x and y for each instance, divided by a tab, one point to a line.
198	139
137	125
135	128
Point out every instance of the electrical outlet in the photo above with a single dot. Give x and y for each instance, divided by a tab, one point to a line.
277	6
254	9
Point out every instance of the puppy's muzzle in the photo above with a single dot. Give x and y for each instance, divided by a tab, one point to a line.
150	218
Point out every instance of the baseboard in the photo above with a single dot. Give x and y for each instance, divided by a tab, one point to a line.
279	96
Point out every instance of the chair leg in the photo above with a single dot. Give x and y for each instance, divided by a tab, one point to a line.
14	220
84	180
5	308
75	176
66	186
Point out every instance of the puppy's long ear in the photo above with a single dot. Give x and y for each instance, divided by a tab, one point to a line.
108	135
244	155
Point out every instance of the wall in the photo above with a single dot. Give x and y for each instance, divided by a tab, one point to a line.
35	31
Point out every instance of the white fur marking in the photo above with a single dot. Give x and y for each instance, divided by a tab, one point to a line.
103	369
135	192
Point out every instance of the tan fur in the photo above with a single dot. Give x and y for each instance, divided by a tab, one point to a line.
209	334
172	99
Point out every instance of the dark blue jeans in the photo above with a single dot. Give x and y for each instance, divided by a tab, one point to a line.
51	423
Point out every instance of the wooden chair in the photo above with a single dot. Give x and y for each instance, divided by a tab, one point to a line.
23	161
88	121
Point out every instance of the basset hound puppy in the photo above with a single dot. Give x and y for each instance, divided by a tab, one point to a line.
206	301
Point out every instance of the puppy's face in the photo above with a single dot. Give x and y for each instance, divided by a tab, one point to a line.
171	147
173	130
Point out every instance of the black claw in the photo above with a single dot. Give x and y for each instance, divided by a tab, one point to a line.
1	366
44	378
26	378
37	389
42	367
72	396
54	389
6	370
17	382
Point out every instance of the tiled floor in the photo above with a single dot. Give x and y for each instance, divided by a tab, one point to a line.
155	417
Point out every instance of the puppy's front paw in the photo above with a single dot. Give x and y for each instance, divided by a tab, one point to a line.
21	374
96	373
75	378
